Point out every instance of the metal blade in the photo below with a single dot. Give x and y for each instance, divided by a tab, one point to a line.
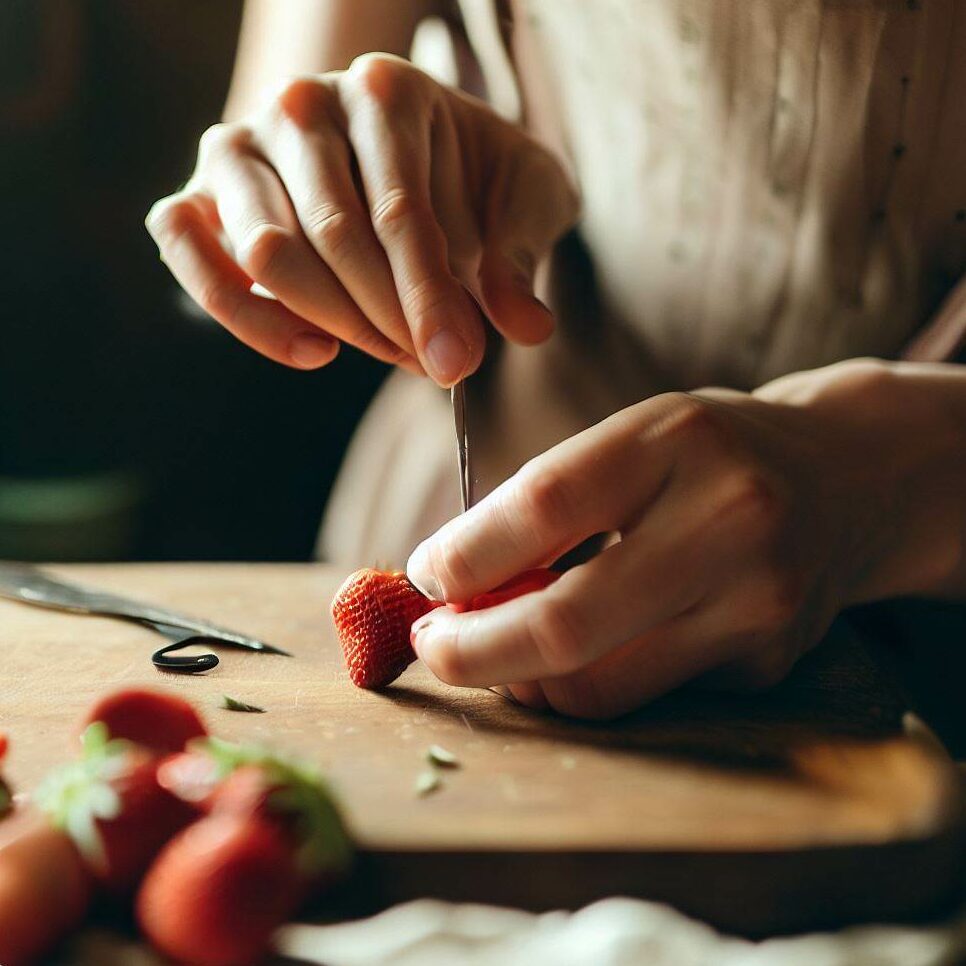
25	583
458	398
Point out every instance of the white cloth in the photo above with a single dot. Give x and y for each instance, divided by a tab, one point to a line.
612	932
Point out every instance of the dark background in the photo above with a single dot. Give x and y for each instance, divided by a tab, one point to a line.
131	427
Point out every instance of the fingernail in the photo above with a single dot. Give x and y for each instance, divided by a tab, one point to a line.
447	357
309	351
421	575
417	634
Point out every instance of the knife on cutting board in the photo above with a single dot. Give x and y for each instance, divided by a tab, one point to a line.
30	585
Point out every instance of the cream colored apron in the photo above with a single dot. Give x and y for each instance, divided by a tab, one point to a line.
767	185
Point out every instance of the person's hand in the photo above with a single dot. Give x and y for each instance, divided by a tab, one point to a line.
368	202
746	522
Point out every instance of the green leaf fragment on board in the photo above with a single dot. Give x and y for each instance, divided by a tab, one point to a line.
233	704
437	755
427	783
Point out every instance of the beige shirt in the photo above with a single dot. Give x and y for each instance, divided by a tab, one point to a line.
767	185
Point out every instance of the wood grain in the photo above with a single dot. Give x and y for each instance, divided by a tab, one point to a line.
801	807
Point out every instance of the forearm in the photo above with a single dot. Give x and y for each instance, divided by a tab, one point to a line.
279	40
902	451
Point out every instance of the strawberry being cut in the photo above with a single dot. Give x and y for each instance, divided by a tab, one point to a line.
525	583
374	611
110	804
156	720
272	835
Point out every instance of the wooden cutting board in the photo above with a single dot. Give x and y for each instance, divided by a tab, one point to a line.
804	807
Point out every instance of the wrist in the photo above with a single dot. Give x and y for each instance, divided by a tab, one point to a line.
892	455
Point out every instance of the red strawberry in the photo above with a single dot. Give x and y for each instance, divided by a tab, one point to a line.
525	583
110	803
219	890
6	797
195	777
218	776
373	612
157	720
45	890
192	776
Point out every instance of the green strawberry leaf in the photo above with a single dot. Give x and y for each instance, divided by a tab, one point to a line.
233	704
300	793
78	795
6	799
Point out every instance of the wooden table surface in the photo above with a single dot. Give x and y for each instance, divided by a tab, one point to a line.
802	807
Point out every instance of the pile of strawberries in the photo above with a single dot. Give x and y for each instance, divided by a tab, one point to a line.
215	844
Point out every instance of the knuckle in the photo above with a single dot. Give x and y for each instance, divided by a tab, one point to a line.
425	298
302	99
380	76
261	247
394	212
691	418
867	371
218	300
451	566
554	631
544	498
332	230
219	139
756	500
170	218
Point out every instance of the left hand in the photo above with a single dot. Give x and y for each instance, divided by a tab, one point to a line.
746	523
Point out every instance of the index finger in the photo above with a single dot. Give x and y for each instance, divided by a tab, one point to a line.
389	127
588	613
591	483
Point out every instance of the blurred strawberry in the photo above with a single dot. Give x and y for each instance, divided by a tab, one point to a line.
110	804
161	722
221	887
6	797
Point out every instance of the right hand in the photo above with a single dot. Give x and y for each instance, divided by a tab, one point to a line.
368	202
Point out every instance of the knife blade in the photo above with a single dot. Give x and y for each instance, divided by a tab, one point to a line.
29	585
458	399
